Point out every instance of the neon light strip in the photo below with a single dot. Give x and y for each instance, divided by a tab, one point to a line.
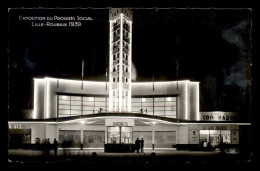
47	98
120	63
33	122
187	100
110	69
197	103
130	70
35	100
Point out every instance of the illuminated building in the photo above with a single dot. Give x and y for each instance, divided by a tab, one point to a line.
164	114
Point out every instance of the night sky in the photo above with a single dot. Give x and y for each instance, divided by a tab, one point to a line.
211	46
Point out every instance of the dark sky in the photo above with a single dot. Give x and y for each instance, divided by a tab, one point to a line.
211	46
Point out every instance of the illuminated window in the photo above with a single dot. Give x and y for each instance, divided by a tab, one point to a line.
157	106
79	105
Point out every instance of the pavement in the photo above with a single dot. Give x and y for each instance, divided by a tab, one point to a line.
162	158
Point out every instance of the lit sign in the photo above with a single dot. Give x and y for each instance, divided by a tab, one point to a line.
120	123
214	127
218	116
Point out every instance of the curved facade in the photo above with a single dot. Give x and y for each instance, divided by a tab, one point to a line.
48	90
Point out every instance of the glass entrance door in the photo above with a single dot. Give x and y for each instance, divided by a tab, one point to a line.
120	135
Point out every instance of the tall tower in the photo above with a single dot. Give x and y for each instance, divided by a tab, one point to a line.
120	59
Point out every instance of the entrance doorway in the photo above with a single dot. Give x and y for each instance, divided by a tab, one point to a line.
119	135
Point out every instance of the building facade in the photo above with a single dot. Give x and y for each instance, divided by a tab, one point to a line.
92	114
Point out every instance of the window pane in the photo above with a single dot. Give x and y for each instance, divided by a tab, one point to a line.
170	99
75	112
88	103
61	97
64	102
170	113
148	108
158	108
126	129
113	129
88	99
78	98
64	107
88	107
136	108
75	102
87	112
100	99
225	131
136	100
159	99
76	107
165	137
136	105
170	103
147	104
170	108
62	115
64	112
147	100
204	131
159	113
100	103
215	132
158	103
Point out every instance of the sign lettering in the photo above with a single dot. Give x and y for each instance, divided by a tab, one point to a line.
120	124
218	116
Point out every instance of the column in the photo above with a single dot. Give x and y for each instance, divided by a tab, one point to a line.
81	139
153	139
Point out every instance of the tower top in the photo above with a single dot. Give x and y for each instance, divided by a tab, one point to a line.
115	12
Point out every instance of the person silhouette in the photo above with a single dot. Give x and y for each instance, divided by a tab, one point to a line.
142	145
137	145
55	146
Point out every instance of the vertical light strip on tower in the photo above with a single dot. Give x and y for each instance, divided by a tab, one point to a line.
120	99
120	60
110	67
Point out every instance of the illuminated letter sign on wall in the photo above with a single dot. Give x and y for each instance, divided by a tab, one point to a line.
218	116
120	123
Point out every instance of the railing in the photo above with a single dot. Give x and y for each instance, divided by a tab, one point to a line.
125	50
116	39
126	74
115	62
115	50
126	39
126	27
116	27
114	74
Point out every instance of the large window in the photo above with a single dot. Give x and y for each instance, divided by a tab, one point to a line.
147	137
93	138
164	139
71	105
80	105
157	106
215	137
69	138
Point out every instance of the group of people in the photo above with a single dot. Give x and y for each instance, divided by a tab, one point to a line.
46	147
139	144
